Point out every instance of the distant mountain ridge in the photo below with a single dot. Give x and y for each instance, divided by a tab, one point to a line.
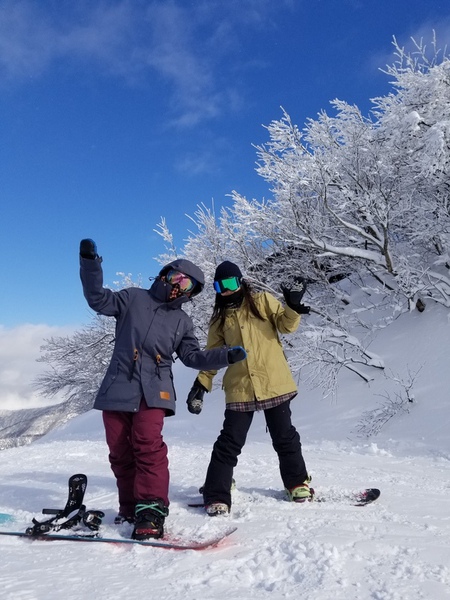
21	427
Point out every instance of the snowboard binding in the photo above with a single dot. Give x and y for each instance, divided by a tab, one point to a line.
73	514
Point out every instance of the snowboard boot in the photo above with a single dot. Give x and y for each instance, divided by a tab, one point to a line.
301	493
150	515
216	509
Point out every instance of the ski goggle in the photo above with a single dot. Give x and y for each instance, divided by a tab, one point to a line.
230	284
185	283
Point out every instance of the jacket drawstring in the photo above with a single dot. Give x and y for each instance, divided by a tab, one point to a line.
133	364
158	362
135	359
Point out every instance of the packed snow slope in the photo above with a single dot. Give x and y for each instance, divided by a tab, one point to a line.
395	549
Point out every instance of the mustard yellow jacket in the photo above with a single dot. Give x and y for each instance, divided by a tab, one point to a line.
265	372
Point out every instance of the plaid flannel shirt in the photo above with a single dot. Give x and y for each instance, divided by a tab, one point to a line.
256	405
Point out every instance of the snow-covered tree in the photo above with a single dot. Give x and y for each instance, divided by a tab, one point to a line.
78	362
359	207
368	194
355	199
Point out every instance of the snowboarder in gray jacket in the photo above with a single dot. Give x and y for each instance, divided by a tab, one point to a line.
137	391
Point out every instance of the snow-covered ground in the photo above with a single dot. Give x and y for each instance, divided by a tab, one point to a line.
396	548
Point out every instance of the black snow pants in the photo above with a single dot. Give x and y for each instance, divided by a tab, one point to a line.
228	446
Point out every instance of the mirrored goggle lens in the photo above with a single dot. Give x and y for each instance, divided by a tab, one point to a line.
230	284
185	282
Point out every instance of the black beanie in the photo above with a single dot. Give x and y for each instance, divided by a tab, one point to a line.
227	269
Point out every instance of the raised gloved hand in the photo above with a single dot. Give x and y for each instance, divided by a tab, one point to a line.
293	294
236	354
195	398
88	249
302	309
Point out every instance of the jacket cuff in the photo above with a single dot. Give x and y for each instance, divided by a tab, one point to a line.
205	381
291	313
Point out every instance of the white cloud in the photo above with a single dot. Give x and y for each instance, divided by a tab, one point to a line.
31	39
183	44
19	349
26	43
441	29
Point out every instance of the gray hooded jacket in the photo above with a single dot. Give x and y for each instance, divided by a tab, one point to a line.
149	330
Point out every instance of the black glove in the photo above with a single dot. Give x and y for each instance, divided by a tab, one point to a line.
195	398
302	309
293	294
235	354
88	249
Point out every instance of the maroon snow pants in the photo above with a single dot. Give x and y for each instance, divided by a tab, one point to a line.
137	455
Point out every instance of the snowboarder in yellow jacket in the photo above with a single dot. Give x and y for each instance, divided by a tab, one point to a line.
263	381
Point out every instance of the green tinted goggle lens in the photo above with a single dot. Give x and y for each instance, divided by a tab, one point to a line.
231	284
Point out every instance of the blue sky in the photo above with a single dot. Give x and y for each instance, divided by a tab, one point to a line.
114	114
